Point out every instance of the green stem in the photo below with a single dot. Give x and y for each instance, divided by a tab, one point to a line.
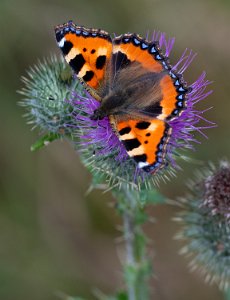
44	141
130	258
137	268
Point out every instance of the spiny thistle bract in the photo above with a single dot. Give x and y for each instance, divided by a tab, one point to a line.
61	106
48	85
206	226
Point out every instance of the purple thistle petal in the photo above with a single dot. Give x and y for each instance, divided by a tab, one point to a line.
147	35
184	61
185	124
99	133
165	45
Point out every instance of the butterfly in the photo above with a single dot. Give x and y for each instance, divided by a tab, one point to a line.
134	83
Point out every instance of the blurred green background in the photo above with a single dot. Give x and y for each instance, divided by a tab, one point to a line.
53	239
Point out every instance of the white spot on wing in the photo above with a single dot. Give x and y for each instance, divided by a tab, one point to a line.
102	51
127	136
83	71
136	151
152	127
73	52
62	42
142	164
162	116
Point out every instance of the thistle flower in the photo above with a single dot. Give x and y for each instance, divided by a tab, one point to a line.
57	104
206	227
102	151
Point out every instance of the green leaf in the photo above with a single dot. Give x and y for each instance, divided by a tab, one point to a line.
120	295
45	140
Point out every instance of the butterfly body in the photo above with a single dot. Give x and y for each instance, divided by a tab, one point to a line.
129	96
134	84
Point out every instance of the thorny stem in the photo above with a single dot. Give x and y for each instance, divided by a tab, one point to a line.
130	258
137	269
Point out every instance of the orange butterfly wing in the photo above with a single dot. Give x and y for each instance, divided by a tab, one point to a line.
145	142
87	51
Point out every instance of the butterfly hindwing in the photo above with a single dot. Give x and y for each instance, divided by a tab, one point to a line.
87	51
145	142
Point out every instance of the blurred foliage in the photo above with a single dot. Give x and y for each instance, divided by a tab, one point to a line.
52	237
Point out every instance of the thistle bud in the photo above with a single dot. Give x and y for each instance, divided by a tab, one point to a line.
206	226
47	87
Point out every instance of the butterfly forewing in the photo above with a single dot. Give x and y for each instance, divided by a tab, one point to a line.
86	50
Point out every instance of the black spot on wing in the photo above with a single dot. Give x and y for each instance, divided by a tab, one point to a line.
100	62
131	144
77	63
67	47
140	158
125	130
143	125
119	61
88	76
153	109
